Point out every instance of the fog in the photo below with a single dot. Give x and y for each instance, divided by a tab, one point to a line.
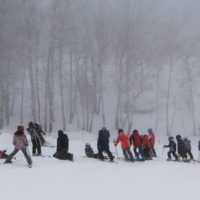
84	62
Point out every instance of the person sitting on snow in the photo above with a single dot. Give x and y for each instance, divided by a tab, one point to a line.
172	149
3	154
62	147
89	151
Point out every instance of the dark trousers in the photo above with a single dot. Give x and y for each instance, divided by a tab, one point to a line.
140	151
146	152
153	151
126	152
28	159
63	155
190	153
183	154
101	157
36	145
173	153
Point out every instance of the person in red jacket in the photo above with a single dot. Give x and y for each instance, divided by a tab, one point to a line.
146	145
20	142
135	139
123	138
152	141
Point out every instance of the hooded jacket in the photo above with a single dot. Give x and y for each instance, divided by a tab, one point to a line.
62	141
135	139
20	140
103	142
123	138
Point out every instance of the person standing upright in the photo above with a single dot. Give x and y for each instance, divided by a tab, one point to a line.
123	138
152	141
20	142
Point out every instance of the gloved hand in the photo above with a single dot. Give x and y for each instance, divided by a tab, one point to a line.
164	146
4	150
115	144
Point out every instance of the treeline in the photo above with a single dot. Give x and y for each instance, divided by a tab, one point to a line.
68	54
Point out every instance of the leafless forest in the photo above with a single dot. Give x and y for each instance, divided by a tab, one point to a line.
79	52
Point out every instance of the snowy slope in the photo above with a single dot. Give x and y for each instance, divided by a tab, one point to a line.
85	178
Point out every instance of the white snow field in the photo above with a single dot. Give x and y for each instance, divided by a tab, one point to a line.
91	179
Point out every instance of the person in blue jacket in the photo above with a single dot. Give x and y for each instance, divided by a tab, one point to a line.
172	149
103	145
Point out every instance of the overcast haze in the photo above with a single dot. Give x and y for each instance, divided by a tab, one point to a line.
79	65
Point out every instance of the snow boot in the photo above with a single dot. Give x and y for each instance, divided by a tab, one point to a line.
7	162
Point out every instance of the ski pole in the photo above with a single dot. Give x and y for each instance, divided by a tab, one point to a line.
29	154
163	150
116	152
199	157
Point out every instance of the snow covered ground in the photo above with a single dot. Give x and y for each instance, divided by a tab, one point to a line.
85	178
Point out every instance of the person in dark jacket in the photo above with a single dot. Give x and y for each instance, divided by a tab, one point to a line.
89	151
172	149
40	132
135	139
103	145
188	147
62	147
181	147
34	139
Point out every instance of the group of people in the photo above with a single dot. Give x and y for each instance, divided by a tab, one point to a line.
20	142
184	148
143	145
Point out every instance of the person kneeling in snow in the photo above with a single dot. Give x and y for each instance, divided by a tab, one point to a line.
62	147
3	154
172	149
89	151
20	142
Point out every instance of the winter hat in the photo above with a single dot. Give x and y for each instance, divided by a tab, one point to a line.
170	138
120	130
87	144
104	128
150	130
135	131
185	138
20	129
60	132
178	137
